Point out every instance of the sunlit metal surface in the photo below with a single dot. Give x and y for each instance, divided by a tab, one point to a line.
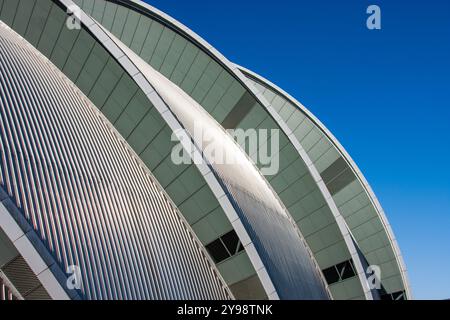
88	197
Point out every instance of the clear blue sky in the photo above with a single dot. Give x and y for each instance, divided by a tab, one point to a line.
384	94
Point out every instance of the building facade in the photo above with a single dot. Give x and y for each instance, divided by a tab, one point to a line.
96	96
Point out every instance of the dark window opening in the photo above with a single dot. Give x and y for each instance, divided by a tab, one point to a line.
217	251
345	270
339	272
231	242
331	275
399	295
224	247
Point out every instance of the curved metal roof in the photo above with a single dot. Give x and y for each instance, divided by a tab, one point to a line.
168	33
342	209
89	58
105	214
45	29
221	89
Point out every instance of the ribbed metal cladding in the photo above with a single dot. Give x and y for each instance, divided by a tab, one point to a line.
88	197
283	252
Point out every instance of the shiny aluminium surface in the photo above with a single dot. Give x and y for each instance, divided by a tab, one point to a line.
89	198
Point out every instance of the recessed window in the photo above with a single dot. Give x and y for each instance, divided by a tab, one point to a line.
345	270
331	275
399	295
231	242
224	247
339	272
217	251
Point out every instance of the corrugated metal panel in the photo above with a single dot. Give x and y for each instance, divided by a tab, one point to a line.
87	196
